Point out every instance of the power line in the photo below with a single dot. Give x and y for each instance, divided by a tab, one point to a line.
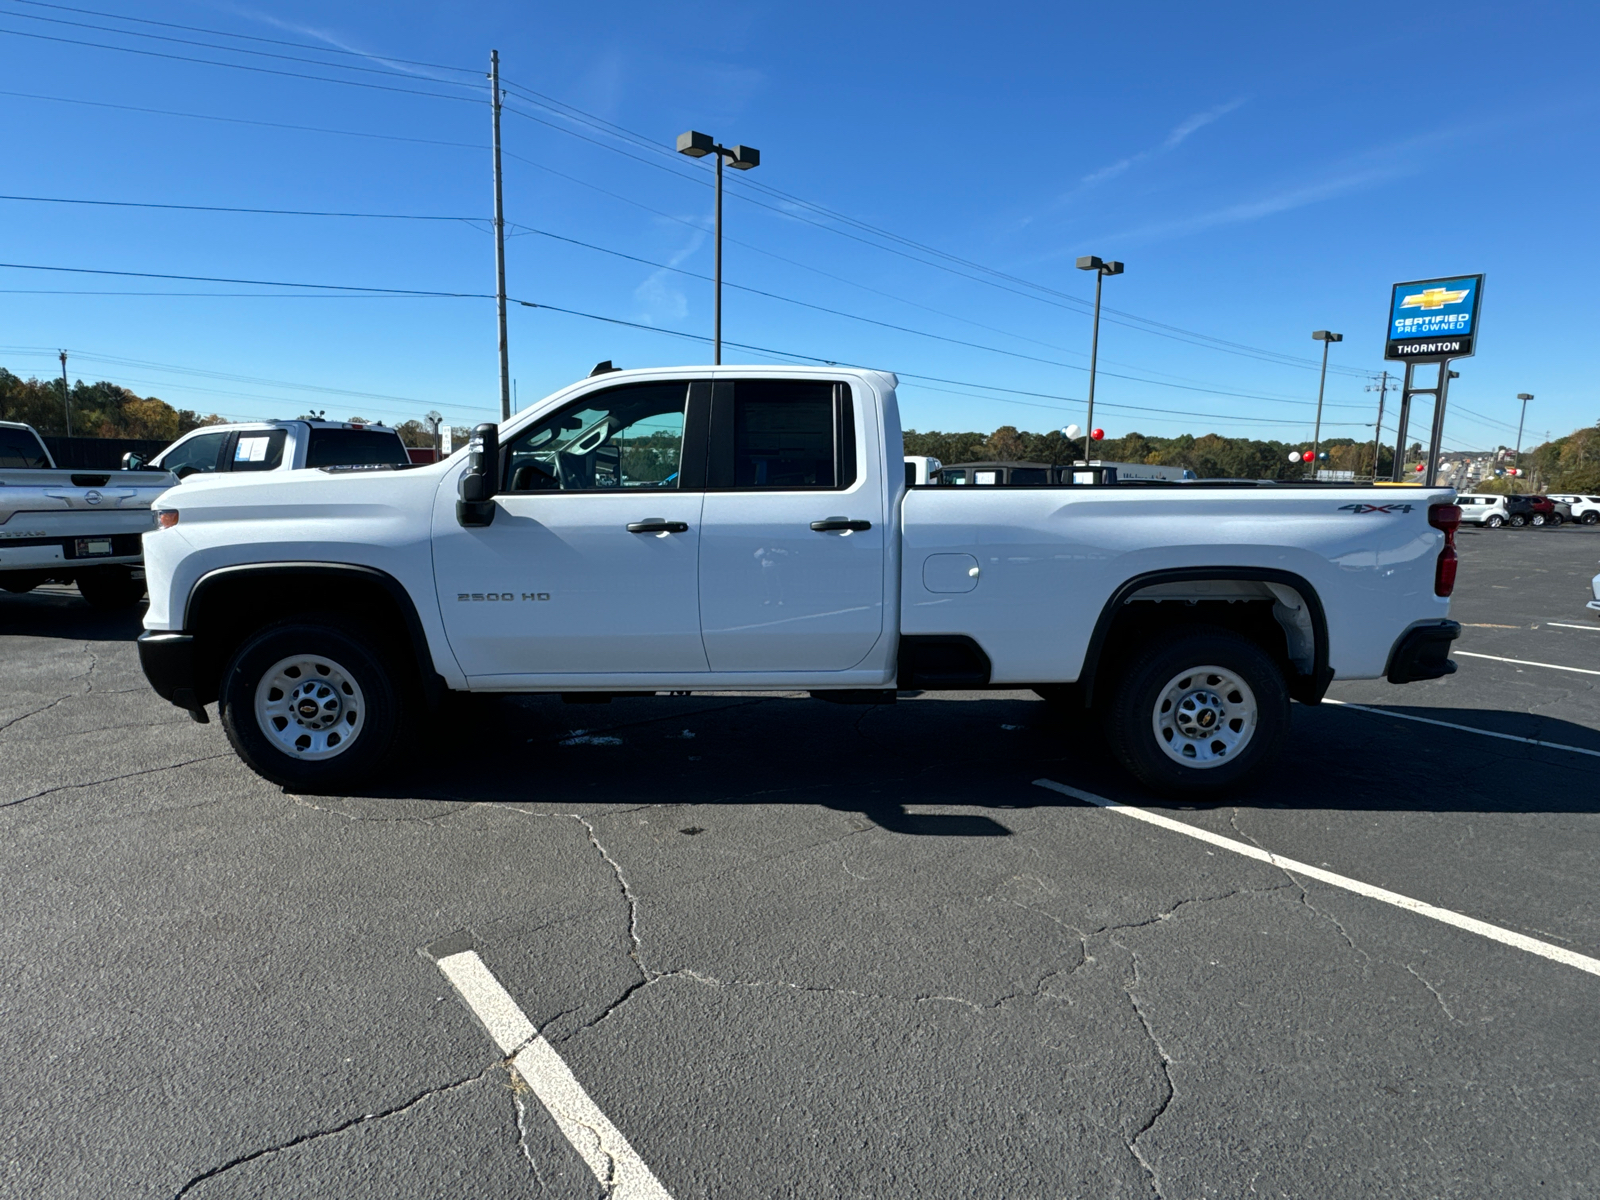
571	112
247	37
227	49
909	375
167	112
329	287
211	62
224	208
658	266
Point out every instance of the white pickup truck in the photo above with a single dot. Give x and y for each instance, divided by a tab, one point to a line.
725	528
78	527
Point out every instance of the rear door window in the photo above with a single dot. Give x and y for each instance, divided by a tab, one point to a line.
198	455
258	450
356	448
783	435
20	448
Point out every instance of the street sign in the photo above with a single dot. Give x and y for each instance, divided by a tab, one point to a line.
1431	320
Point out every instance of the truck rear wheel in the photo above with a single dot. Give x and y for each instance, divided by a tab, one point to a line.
1198	712
110	588
309	704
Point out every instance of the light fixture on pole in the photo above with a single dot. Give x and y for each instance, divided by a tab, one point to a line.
1327	339
1522	420
740	158
1089	262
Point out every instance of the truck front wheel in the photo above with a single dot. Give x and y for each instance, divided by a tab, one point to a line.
310	705
1198	712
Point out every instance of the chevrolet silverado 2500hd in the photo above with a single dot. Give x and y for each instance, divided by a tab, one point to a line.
751	528
78	527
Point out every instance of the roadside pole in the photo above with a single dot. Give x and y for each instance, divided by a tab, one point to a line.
499	241
1377	430
66	398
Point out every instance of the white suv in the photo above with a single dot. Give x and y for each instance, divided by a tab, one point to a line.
1486	509
1584	508
282	446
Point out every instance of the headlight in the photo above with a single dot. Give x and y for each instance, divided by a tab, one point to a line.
165	518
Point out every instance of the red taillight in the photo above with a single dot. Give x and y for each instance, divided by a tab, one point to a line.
1447	518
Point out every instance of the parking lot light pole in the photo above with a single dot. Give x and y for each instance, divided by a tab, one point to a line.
740	158
1516	460
1327	339
1089	262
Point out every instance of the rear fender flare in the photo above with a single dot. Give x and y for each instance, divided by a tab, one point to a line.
1307	688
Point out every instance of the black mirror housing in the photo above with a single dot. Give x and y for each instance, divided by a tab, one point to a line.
480	480
133	461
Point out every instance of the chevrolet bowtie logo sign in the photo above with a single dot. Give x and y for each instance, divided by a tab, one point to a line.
1433	320
1435	297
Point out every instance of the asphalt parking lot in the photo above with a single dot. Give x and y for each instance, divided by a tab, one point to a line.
775	947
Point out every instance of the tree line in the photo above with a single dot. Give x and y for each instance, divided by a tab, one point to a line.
1210	456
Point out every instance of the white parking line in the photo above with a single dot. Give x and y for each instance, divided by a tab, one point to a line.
1523	662
1489	733
614	1162
1471	924
1585	628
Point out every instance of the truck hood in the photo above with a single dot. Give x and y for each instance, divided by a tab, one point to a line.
310	494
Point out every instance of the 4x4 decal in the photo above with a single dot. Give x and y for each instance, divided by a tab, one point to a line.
1375	508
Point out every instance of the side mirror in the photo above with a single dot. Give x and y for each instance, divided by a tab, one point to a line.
478	482
133	461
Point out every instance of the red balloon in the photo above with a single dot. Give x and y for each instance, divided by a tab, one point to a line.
1097	434
1419	468
1306	457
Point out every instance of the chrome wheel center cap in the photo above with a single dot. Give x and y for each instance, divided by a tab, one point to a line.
316	705
1199	714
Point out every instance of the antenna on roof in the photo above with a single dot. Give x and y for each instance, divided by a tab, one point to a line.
602	368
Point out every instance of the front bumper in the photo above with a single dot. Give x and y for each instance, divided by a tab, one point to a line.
168	662
1423	652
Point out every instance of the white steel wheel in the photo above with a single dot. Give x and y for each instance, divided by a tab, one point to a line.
1204	717
310	707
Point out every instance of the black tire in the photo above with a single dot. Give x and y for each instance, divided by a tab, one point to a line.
353	688
1538	520
1149	680
110	588
1554	520
1495	521
1589	518
1518	521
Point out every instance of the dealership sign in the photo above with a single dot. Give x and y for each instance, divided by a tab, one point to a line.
1434	319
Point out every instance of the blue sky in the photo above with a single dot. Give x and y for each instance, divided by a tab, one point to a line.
1263	170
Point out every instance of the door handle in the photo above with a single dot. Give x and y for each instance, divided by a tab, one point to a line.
657	525
837	524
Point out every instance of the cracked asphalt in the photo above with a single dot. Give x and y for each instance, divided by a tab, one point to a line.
799	949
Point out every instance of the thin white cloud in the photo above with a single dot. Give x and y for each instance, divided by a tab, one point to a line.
1265	206
658	297
1180	134
322	35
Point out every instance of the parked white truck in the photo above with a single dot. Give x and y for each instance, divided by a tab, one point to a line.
78	527
729	528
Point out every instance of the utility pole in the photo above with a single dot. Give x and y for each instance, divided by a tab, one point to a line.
499	242
66	395
1377	433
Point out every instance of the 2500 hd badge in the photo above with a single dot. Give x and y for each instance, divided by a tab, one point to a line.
501	596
